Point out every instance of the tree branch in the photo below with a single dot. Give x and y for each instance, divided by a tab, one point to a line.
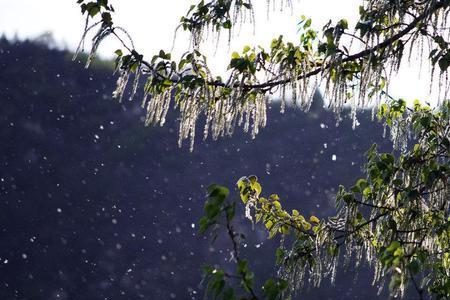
362	54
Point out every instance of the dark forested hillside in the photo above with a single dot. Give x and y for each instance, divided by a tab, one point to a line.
93	205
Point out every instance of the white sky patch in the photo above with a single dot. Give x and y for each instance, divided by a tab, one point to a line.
152	25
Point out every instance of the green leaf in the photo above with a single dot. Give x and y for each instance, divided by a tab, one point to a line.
227	24
107	19
218	286
242	267
361	184
343	23
393	246
257	188
444	62
314	219
94	10
269	224
218	192
235	55
277	205
279	255
271	289
204	224
211	210
366	192
230	211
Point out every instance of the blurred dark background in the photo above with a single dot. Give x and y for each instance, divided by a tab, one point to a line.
93	205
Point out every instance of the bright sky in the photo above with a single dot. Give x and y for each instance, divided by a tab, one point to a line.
152	23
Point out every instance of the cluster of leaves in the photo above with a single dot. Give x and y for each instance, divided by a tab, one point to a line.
353	69
397	219
270	212
189	72
92	8
215	14
408	197
441	54
240	284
